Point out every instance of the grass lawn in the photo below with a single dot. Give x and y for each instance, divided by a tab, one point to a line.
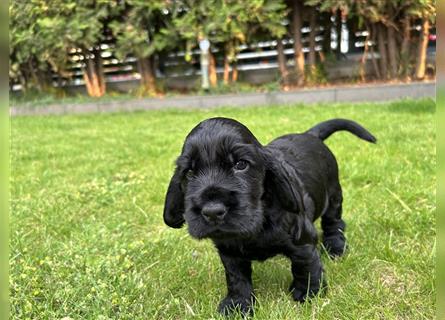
88	241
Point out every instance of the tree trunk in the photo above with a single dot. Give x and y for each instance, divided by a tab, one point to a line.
46	79
326	41
234	71
405	48
59	81
226	64
298	47
148	77
282	62
352	25
392	51
374	31
226	70
381	37
364	58
40	79
312	34
93	73
33	73
327	26
90	79
212	70
338	29
421	53
100	71
25	77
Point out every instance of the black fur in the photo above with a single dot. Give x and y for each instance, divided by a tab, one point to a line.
263	205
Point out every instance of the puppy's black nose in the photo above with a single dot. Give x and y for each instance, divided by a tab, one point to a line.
214	211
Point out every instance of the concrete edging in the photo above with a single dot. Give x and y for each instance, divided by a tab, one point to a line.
366	93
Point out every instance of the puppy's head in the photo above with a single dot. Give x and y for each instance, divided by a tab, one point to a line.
220	181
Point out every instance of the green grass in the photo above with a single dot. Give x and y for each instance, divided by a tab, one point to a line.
88	241
38	100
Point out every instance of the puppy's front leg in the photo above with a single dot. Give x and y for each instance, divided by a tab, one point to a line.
239	285
307	271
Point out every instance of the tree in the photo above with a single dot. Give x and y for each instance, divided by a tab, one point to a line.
268	20
296	24
34	51
46	36
339	9
195	21
227	24
282	62
388	19
370	15
405	56
425	10
86	24
312	34
44	32
325	9
142	29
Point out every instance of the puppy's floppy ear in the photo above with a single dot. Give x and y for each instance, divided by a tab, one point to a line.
281	181
174	202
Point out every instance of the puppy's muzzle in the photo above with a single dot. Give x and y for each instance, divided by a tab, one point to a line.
214	212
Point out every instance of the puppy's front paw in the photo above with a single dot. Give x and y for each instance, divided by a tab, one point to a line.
301	293
335	245
230	305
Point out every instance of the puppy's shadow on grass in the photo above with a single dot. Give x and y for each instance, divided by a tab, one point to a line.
273	275
413	107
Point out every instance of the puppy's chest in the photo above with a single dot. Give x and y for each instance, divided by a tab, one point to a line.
260	253
260	249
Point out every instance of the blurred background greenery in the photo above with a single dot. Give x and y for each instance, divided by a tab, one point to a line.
148	48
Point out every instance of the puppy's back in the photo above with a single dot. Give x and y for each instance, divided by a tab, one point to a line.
305	152
312	161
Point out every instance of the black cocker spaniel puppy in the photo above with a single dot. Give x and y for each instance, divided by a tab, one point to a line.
255	201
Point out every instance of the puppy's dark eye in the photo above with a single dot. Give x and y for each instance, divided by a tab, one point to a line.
189	174
241	165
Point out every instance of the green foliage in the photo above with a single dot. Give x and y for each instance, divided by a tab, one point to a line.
378	10
331	5
229	23
44	32
268	18
85	22
143	27
88	240
316	75
422	9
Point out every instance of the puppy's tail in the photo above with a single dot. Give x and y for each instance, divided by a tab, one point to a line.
324	129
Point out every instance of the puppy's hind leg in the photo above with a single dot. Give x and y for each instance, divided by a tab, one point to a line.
333	226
